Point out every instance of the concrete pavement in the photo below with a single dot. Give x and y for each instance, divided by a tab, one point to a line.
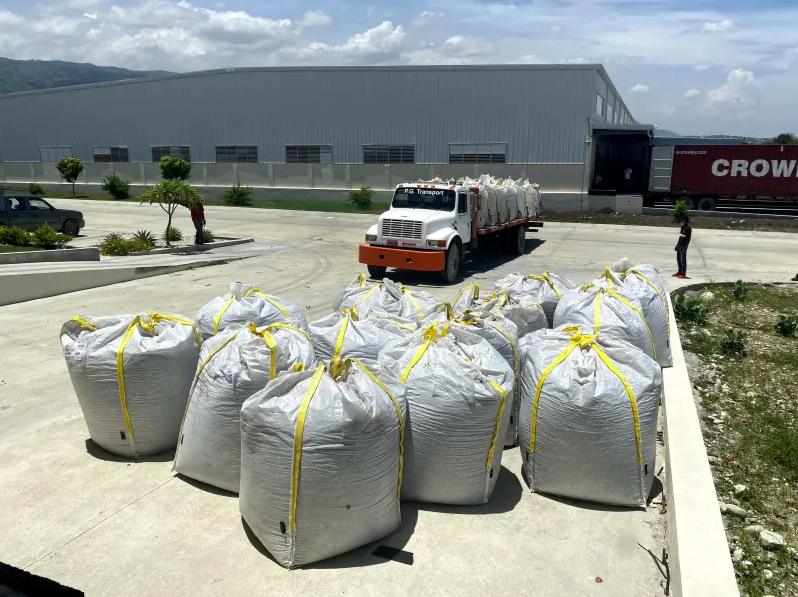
110	527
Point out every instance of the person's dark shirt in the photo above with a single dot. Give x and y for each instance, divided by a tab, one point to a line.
197	213
685	234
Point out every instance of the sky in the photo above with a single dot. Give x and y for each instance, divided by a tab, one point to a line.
699	66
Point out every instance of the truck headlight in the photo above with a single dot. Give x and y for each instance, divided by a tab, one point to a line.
371	237
436	243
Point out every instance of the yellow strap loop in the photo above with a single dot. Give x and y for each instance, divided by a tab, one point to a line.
298	433
546	372
120	373
475	292
416	358
156	317
371	291
399	416
299	366
269	300
499	416
447	307
642	317
287	326
362	280
84	323
219	315
269	339
406	291
339	342
545	277
657	290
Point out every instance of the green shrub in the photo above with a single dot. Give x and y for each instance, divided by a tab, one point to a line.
362	198
734	342
208	236
145	237
680	211
690	310
137	245
787	325
173	168
238	195
47	238
117	245
173	235
118	188
15	236
36	189
740	290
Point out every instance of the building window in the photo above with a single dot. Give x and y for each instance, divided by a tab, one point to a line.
110	154
599	104
237	153
483	153
53	154
176	151
308	154
389	154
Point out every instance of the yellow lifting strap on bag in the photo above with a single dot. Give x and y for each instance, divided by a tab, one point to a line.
409	294
475	292
362	280
499	416
298	433
430	335
547	279
659	294
516	362
385	389
287	326
221	312
120	373
642	318
268	300
156	317
78	319
371	291
349	315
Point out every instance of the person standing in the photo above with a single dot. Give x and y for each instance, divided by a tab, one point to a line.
198	219
627	179
685	234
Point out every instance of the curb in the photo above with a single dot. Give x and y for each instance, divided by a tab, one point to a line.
194	248
51	256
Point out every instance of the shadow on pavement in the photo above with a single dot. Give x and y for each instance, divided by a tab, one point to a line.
103	454
207	488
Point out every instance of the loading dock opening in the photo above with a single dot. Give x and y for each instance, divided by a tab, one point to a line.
617	147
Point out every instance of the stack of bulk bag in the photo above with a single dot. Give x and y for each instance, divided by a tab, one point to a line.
346	335
608	311
636	284
132	376
321	463
546	289
244	304
460	396
234	365
588	417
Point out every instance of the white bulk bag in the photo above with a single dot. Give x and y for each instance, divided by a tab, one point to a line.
523	310
655	306
345	335
417	304
460	396
132	376
244	304
588	417
467	300
362	293
607	311
546	289
321	463
234	365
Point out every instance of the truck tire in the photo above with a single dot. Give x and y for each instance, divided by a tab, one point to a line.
377	271
516	240
452	267
707	204
71	228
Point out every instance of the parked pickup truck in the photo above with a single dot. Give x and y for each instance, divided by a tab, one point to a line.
30	213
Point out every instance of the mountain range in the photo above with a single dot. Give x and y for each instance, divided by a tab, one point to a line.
29	75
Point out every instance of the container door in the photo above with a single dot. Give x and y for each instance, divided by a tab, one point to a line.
661	169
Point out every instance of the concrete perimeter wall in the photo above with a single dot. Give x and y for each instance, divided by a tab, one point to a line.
698	552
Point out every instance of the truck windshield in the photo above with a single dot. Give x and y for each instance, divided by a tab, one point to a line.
437	199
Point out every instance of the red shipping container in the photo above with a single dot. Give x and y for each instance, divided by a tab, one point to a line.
735	170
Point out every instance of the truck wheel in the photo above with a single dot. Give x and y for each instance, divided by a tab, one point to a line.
377	271
452	267
516	240
71	228
707	204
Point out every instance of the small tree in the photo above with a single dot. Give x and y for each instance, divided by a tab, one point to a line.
173	168
170	194
70	169
680	211
786	139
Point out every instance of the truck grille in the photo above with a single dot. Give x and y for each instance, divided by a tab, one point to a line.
401	229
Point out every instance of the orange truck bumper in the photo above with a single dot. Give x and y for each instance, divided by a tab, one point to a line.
425	261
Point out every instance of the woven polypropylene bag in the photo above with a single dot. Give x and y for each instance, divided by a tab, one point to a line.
546	289
234	365
244	304
132	375
321	462
588	417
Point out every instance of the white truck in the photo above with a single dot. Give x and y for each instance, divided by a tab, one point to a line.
432	225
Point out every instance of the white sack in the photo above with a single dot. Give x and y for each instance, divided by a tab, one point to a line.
612	313
546	289
523	310
362	293
460	397
244	304
234	365
342	489
346	335
135	409
587	444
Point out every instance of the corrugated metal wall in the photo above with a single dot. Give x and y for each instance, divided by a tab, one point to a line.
540	112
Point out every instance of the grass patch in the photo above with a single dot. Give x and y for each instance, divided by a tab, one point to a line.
10	249
751	423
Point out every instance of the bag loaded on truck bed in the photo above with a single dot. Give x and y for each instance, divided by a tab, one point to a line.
432	225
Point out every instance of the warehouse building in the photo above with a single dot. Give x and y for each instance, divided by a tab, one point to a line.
333	127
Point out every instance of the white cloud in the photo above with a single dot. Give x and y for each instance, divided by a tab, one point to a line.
577	60
718	26
740	93
90	15
315	18
530	59
640	88
691	94
379	44
458	49
702	67
427	17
